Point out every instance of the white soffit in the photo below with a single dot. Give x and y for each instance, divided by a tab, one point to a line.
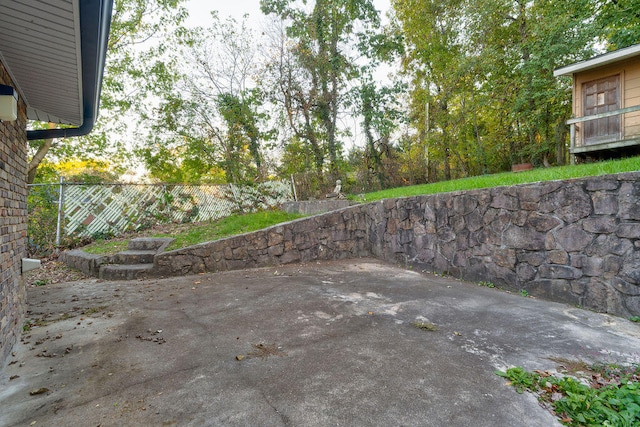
40	46
599	61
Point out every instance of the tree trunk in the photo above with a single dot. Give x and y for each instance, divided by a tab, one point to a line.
38	157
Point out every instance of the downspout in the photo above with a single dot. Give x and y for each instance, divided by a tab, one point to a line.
95	22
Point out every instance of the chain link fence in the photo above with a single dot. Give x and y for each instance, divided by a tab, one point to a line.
64	212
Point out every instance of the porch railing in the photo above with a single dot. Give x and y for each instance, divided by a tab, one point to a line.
572	123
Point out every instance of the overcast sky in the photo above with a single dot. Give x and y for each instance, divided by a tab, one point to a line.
199	10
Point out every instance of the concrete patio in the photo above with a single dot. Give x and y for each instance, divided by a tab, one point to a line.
318	344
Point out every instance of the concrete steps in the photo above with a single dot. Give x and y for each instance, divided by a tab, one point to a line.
133	257
136	261
124	272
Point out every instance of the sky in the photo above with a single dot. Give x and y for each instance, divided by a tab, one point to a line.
199	10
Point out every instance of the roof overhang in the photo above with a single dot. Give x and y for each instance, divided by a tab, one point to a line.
55	51
599	61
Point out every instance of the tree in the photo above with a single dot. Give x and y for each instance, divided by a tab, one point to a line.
619	21
210	120
437	62
313	66
486	72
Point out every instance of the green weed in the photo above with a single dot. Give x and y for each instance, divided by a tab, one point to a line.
611	398
93	310
102	247
425	326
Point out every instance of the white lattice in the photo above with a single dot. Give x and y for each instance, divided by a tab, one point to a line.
115	208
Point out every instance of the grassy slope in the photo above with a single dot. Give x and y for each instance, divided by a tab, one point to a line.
187	235
510	178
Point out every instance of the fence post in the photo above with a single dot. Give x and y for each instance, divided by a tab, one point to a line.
164	198
235	197
60	214
293	184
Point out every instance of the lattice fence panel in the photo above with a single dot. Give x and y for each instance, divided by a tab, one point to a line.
116	208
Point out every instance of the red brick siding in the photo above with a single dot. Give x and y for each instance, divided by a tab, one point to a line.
13	225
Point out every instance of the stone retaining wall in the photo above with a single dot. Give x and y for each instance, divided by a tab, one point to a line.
574	241
335	235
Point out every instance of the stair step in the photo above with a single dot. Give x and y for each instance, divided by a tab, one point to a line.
134	257
124	272
149	243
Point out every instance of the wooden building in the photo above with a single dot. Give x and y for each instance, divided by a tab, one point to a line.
606	105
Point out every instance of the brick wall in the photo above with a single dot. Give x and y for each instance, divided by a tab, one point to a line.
13	225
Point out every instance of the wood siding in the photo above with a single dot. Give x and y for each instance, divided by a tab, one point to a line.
629	72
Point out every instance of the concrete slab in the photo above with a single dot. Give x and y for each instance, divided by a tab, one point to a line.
321	344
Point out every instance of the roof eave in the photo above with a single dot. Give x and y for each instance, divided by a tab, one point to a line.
599	61
95	25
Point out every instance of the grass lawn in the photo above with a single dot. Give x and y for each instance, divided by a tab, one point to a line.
192	234
511	178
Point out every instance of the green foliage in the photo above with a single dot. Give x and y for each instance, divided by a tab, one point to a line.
614	400
210	123
135	71
313	64
620	21
486	74
42	218
487	284
635	319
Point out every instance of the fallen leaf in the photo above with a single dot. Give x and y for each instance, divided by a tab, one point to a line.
239	357
37	391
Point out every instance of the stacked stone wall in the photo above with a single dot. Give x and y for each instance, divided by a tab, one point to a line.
575	241
13	224
336	235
